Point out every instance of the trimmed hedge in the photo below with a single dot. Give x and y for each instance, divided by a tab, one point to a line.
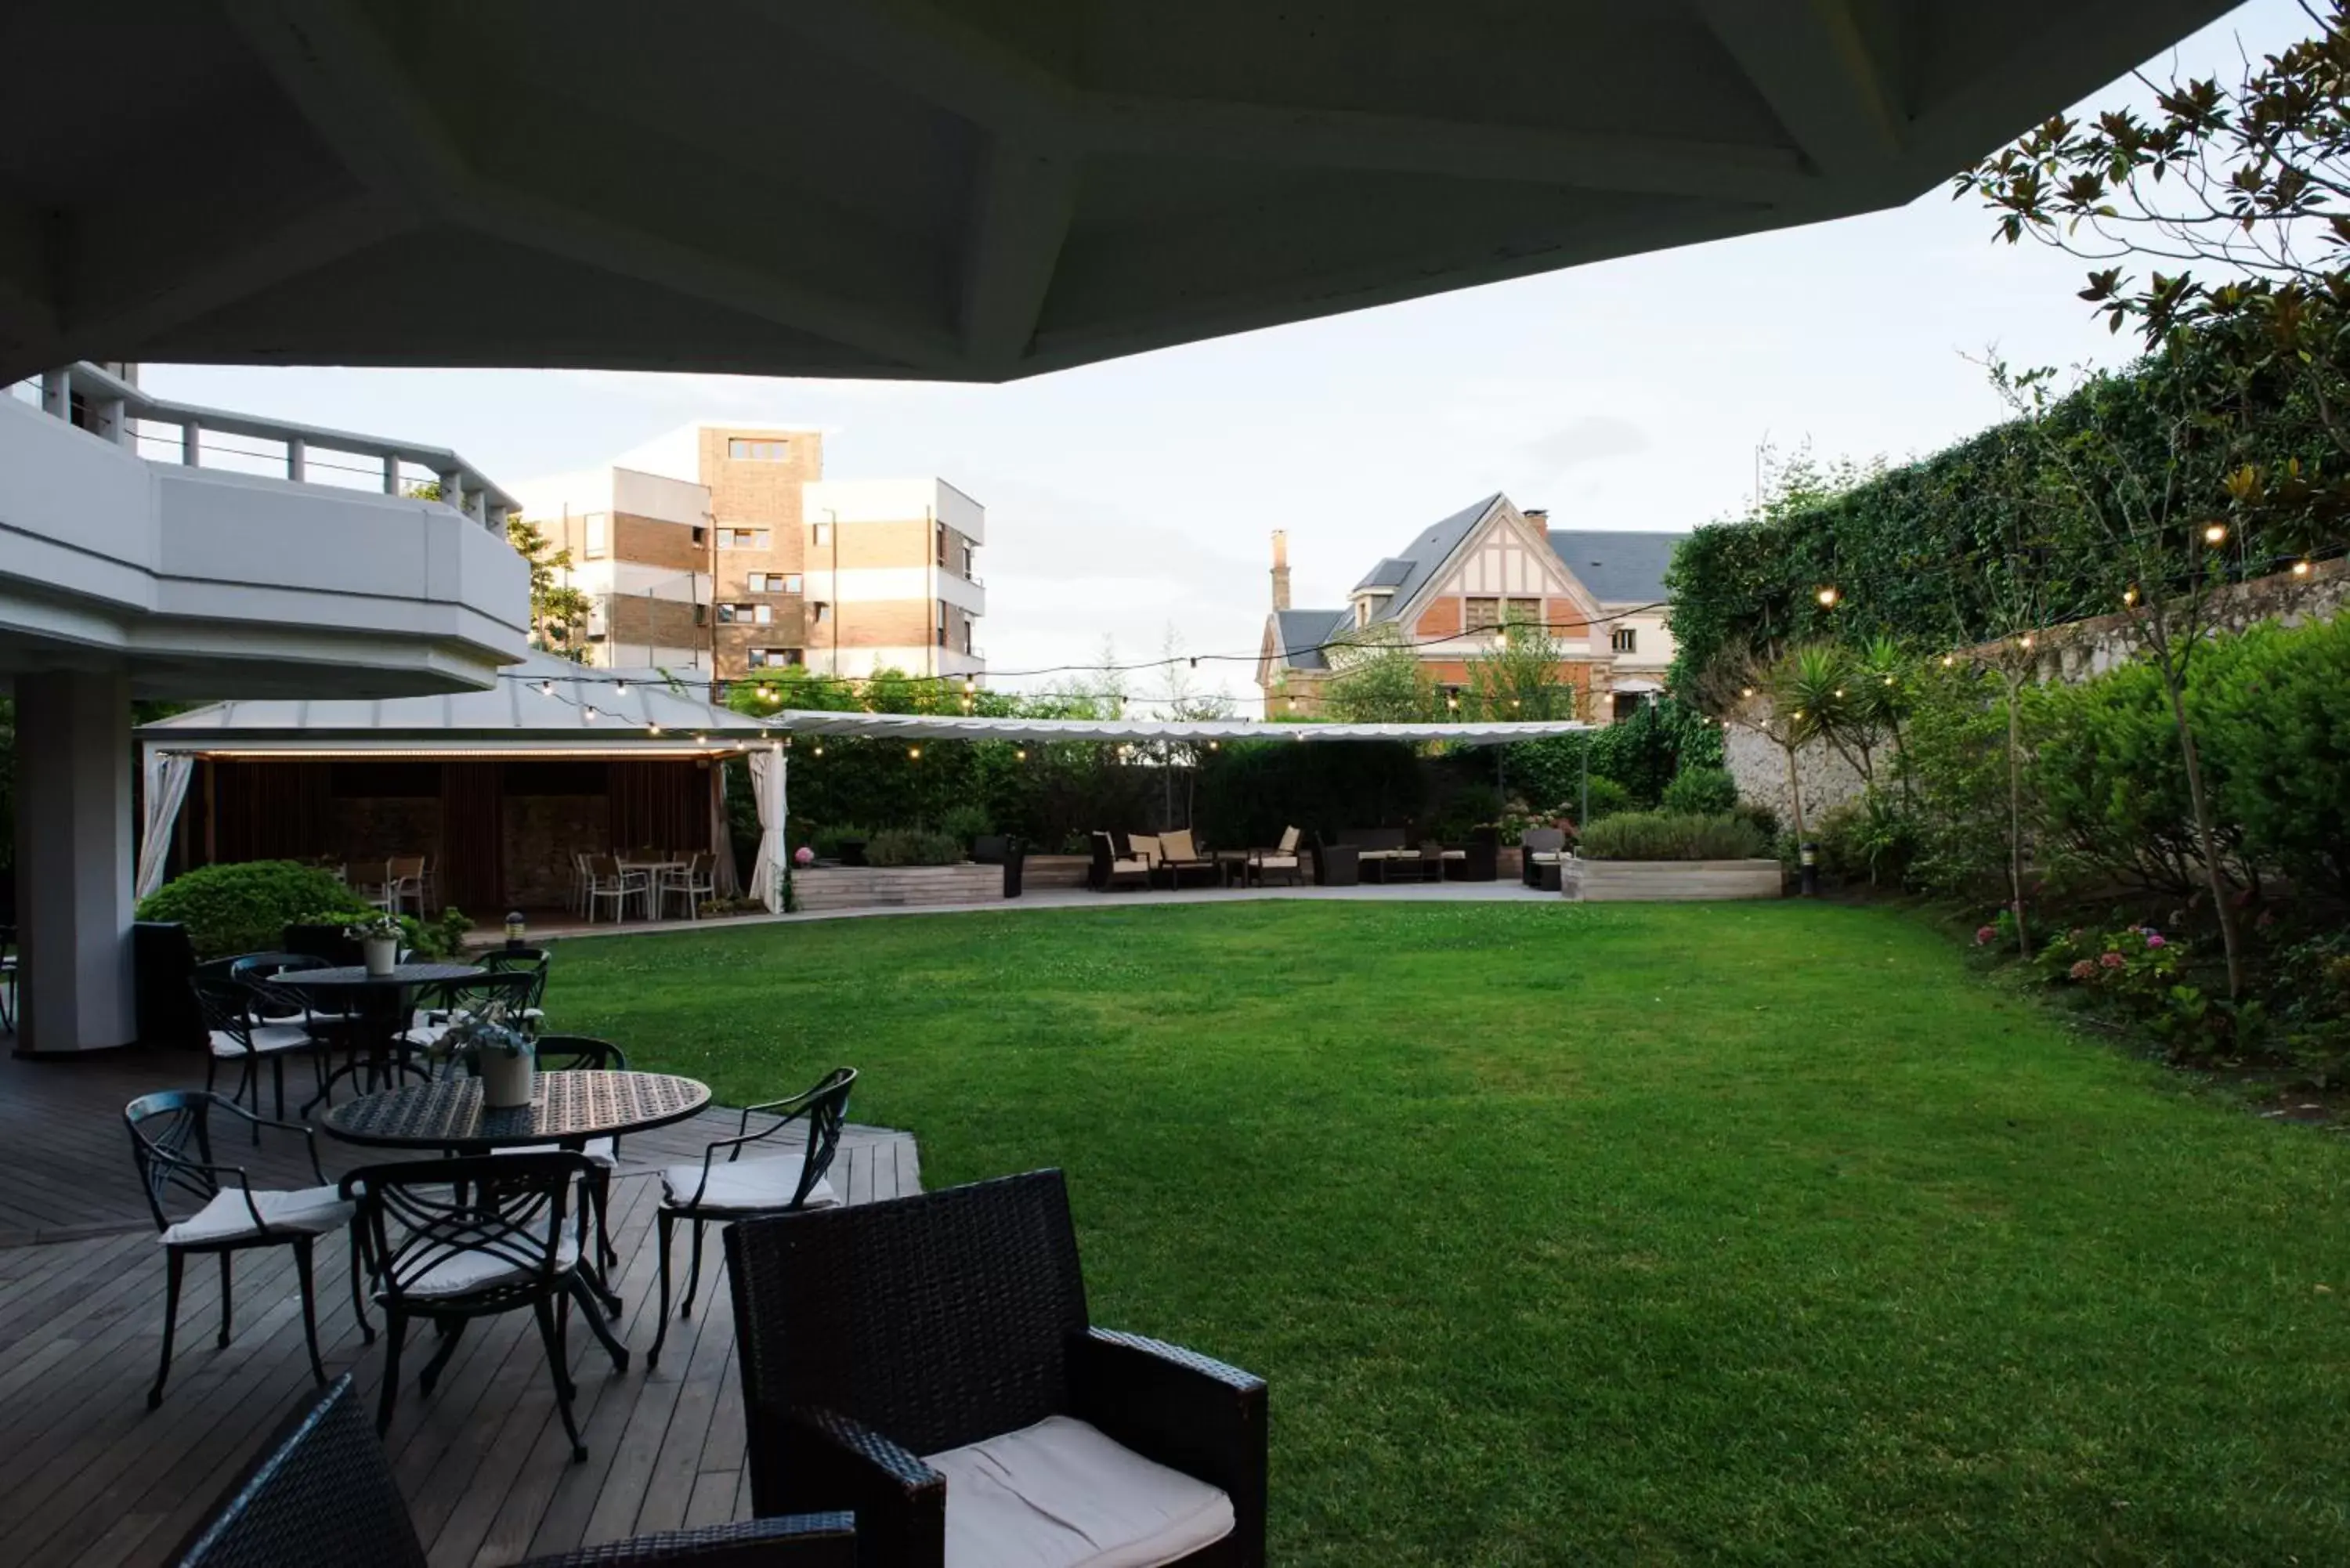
245	907
1671	836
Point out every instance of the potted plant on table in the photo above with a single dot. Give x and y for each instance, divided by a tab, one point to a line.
503	1055
379	935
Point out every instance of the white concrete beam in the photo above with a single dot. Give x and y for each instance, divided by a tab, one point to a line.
1813	65
1020	206
73	863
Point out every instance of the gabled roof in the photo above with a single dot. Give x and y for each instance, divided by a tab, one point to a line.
1302	633
1425	555
1386	575
1618	568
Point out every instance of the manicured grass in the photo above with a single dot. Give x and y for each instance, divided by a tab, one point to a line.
1753	1233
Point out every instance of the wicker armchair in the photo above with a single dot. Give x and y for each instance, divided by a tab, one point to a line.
883	1345
321	1492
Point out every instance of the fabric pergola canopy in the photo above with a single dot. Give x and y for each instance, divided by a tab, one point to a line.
950	727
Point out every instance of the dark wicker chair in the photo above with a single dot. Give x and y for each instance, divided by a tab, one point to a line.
734	1189
871	1334
452	1240
321	1492
165	1126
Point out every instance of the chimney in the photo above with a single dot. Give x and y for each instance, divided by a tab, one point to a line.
1280	569
1538	515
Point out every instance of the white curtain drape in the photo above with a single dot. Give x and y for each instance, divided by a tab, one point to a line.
767	790
166	788
722	882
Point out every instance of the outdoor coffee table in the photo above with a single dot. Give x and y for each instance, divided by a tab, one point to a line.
376	1008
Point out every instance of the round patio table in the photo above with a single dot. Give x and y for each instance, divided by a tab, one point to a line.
567	1108
377	1007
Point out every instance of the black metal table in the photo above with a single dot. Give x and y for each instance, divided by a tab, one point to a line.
568	1109
376	1008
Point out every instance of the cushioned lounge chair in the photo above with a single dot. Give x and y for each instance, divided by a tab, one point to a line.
1110	866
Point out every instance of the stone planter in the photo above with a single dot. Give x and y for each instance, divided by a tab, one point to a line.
1667	881
1058	870
822	887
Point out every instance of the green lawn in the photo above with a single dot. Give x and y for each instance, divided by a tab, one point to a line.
1753	1233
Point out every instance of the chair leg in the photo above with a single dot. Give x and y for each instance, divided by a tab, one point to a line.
173	1261
452	1330
278	1077
579	1290
660	1335
395	1330
693	1274
309	1309
544	1309
227	1297
358	1294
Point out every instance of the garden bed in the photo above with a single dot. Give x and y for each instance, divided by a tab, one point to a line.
821	887
1667	881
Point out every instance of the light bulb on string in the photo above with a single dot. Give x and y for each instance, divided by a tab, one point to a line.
589	714
1020	756
1828	595
2215	534
2301	568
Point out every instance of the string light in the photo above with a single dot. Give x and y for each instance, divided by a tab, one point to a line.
2215	534
619	685
2026	642
547	687
2301	568
1949	660
913	752
817	752
1840	690
588	713
1021	755
1746	691
652	729
2129	594
1828	596
1215	745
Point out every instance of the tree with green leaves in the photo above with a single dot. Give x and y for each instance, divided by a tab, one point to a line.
1378	678
1518	675
558	612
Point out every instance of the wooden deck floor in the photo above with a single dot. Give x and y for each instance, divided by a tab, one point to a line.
93	1478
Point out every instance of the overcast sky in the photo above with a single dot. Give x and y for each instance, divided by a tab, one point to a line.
1130	498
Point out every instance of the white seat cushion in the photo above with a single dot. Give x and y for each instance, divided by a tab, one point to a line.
268	1039
312	1210
1456	855
462	1273
1545	856
1059	1494
1278	862
746	1187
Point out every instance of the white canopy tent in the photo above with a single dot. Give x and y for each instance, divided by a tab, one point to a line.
953	727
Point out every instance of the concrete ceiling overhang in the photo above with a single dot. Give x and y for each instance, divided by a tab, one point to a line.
971	190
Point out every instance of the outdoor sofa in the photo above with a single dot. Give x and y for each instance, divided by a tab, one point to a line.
1544	853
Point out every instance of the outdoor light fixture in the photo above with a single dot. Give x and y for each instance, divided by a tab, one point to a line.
652	729
547	687
1949	660
1799	712
766	693
620	686
589	714
2129	594
701	740
1021	755
1840	690
819	751
1888	681
913	751
2300	567
1215	745
1746	691
1829	596
968	687
515	930
2216	533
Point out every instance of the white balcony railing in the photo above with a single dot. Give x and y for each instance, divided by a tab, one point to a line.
161	431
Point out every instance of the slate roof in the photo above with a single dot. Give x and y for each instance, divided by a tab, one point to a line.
1386	575
1303	632
1618	568
1425	554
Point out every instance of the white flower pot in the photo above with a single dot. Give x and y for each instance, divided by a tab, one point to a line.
509	1079
381	953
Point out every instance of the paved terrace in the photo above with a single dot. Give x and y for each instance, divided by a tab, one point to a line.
94	1479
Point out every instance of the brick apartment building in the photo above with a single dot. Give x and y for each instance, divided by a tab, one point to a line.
723	549
1451	589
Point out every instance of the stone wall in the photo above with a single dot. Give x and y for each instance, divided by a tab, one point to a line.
542	832
371	830
1760	769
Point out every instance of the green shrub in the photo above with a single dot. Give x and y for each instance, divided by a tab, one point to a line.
1669	835
913	846
2273	711
1871	839
964	822
826	841
245	907
1701	792
1608	799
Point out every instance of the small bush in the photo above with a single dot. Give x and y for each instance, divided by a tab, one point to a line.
1608	799
964	822
1701	792
245	907
827	841
913	846
1669	835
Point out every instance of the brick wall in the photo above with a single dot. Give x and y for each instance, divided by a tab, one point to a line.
1441	619
374	830
541	833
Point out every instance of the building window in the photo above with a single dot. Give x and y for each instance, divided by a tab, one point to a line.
1624	640
820	612
746	615
701	535
943	626
1484	614
774	582
701	615
967	647
1522	612
745	539
742	450
599	534
969	561
939	544
820	533
774	658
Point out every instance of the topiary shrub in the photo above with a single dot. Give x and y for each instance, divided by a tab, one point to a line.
1668	836
1701	791
913	846
245	907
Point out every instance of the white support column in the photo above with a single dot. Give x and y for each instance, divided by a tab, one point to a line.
192	440
452	489
56	393
391	473
73	862
297	460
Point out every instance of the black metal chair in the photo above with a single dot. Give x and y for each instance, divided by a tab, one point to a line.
7	979
734	1188
235	1217
580	1053
235	1031
901	1359
321	1492
450	1240
532	961
513	990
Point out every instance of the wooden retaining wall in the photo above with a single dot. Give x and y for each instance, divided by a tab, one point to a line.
1663	882
867	886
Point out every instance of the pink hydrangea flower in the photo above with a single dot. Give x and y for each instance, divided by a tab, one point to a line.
2111	960
2155	939
1985	935
2084	970
803	856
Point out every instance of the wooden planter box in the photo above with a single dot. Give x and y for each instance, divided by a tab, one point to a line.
821	887
1662	881
1056	870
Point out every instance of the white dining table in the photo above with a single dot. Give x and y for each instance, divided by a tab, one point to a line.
653	870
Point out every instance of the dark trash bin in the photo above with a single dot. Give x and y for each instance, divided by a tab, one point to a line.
1001	849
